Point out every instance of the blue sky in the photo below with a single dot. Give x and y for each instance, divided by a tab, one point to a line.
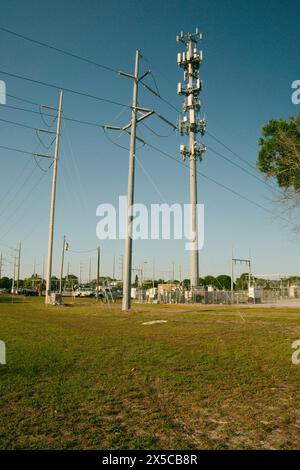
251	52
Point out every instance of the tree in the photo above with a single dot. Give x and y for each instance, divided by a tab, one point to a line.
242	282
223	282
279	156
54	283
71	281
5	283
209	281
136	281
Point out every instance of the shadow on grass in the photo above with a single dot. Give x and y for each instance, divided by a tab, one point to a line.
9	299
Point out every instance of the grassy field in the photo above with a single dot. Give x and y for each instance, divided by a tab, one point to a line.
87	376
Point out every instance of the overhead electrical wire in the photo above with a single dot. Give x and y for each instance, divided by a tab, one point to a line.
24	199
83	251
20	124
84	59
223	186
57	49
59	87
210	134
261	180
32	111
272	188
216	152
269	186
24	151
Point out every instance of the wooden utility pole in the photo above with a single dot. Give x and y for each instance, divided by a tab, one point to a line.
52	207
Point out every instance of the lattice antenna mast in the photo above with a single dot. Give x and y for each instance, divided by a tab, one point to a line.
190	123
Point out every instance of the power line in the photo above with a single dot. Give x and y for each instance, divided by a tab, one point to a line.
231	151
23	99
59	87
32	111
207	132
62	51
18	190
19	124
222	185
84	251
24	151
244	170
271	187
156	133
24	199
94	124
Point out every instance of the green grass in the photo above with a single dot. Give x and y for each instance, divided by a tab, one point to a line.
87	376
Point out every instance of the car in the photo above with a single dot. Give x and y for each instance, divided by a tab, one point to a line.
84	291
28	292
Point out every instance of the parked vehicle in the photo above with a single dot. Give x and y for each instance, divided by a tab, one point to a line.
28	292
84	291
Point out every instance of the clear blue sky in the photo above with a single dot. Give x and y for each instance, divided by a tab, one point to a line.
251	52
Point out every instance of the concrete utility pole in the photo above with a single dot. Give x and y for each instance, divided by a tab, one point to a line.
122	266
14	276
232	278
18	269
126	301
64	248
153	273
191	124
80	272
1	265
135	119
98	271
127	263
90	270
52	207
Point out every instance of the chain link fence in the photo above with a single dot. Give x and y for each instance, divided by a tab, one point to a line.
180	295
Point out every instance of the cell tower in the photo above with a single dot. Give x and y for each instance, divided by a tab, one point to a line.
190	123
